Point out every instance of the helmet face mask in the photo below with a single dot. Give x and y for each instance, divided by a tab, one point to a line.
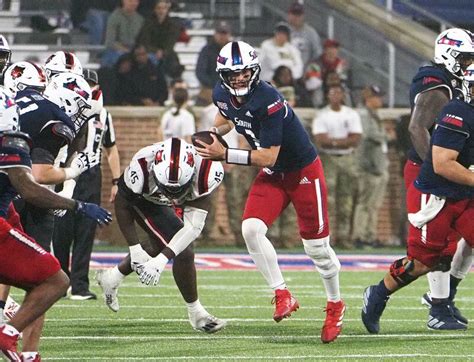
5	54
233	61
468	84
454	48
174	167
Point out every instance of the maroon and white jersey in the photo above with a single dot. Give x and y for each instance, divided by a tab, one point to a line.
138	177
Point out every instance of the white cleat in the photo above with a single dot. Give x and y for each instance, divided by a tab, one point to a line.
109	289
207	323
11	307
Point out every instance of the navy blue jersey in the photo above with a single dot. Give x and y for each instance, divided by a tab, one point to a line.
455	131
13	153
266	120
431	77
48	126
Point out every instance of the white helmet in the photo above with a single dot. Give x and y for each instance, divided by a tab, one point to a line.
174	167
234	57
9	115
22	75
453	48
61	62
5	54
71	93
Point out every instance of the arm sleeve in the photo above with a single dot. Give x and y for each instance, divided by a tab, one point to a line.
449	138
271	131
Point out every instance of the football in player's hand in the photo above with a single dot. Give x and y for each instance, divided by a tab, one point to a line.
205	136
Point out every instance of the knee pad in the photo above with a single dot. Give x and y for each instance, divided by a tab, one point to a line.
323	256
444	264
400	270
253	230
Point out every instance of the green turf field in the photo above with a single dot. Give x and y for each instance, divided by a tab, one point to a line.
152	323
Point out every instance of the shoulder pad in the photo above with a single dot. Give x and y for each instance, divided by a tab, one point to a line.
16	140
134	177
209	177
63	131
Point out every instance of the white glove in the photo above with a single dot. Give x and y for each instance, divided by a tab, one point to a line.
67	191
138	256
150	272
82	162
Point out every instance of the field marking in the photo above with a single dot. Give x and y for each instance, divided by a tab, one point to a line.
132	306
183	320
206	337
292	357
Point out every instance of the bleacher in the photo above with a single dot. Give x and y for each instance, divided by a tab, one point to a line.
28	43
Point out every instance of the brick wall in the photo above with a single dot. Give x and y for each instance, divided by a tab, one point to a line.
136	127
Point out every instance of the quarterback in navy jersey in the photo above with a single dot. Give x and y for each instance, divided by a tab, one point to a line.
292	172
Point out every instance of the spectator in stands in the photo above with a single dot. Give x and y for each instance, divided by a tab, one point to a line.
95	21
372	166
145	83
123	26
177	121
303	36
278	51
327	70
283	81
159	34
337	132
206	64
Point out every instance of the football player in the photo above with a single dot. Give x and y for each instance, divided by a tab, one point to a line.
440	199
74	229
159	179
24	263
431	89
292	172
5	55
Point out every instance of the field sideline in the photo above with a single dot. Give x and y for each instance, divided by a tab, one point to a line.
152	323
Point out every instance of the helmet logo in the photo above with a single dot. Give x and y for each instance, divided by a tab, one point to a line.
221	59
190	159
447	41
253	54
72	85
159	157
17	72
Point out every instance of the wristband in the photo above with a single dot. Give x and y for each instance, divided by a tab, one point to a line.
70	173
237	156
115	181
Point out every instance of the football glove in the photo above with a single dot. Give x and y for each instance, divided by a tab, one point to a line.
150	272
138	256
81	163
94	212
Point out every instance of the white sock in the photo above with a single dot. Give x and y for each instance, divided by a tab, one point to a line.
332	288
29	356
262	252
116	276
462	260
195	308
439	284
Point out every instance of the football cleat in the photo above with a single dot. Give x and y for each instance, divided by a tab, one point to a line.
372	309
84	296
333	323
441	317
426	300
11	307
285	304
206	323
8	343
109	289
30	357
